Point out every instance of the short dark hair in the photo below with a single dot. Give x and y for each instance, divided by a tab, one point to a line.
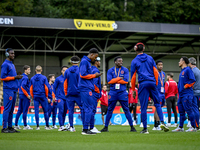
140	47
170	74
118	57
158	61
64	67
9	49
26	67
93	51
75	58
50	76
185	59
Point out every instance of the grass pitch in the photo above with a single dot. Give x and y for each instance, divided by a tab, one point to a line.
118	138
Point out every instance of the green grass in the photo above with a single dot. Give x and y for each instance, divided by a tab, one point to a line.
118	138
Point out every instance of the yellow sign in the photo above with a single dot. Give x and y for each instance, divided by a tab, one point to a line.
95	25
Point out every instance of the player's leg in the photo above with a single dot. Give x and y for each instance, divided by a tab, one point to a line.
7	97
19	112
10	117
93	113
111	106
196	110
71	104
87	99
102	113
54	113
134	113
169	107
44	104
26	104
60	112
65	110
78	102
143	94
155	97
125	108
36	107
174	109
49	109
181	112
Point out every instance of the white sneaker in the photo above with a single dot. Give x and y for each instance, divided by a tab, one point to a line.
125	123
38	128
47	128
178	129
54	127
189	124
17	127
141	125
72	129
164	127
67	126
95	130
168	124
191	129
174	125
154	128
62	128
27	128
158	128
134	123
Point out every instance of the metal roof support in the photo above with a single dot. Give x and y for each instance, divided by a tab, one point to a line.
46	44
175	50
72	44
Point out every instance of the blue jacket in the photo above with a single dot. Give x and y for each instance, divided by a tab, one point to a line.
186	81
39	86
196	87
71	79
58	88
145	66
113	78
24	88
97	83
161	77
8	73
86	77
50	87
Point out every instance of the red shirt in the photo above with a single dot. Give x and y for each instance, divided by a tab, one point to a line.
130	96
171	88
104	98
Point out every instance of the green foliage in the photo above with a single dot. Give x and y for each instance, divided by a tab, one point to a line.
166	11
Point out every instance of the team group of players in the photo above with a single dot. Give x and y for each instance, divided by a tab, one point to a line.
82	85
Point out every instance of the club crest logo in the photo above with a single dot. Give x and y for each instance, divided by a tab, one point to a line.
59	101
79	23
10	98
90	93
122	72
183	73
109	97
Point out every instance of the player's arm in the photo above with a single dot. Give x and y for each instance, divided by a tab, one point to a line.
46	87
166	87
126	77
65	83
23	87
155	71
31	89
133	75
191	80
83	71
4	75
110	79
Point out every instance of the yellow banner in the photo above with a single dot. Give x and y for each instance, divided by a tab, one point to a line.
95	25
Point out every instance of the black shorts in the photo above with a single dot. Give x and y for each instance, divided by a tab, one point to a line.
104	110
